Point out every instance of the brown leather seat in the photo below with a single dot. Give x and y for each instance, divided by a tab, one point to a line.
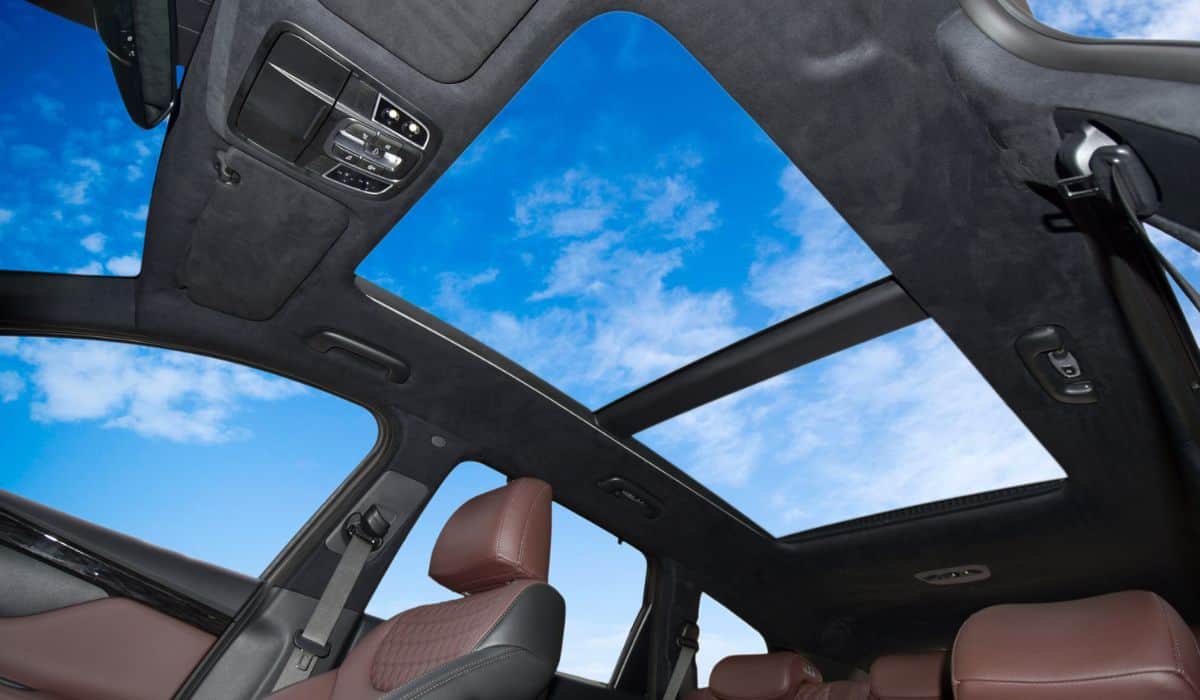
919	676
501	640
781	675
1122	645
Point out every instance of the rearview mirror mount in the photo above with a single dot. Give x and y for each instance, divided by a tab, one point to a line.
139	36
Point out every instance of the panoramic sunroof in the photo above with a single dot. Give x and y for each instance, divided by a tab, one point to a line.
621	217
80	171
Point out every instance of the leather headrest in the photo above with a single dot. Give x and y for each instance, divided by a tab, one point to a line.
761	676
495	538
1121	645
918	676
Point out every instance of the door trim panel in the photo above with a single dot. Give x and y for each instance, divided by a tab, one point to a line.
25	536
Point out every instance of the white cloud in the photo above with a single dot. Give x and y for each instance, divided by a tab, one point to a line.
90	165
672	203
138	214
606	318
607	322
574	204
155	393
133	173
11	386
480	149
75	192
47	107
453	288
94	242
6	215
826	257
125	265
94	267
1142	19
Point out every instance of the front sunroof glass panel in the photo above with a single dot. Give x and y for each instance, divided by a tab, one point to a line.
620	218
79	171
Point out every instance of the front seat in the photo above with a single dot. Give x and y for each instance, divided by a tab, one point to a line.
1122	646
500	641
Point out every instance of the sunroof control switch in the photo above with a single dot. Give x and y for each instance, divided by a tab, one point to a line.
378	155
1044	350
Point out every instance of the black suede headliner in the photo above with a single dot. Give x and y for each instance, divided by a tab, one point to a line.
934	144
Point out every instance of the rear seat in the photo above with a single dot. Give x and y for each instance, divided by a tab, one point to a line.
781	675
1121	645
921	676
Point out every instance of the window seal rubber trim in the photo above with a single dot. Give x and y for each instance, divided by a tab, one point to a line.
1021	34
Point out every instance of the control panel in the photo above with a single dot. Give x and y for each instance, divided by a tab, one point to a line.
312	108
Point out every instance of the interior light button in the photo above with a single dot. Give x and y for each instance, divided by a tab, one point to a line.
402	123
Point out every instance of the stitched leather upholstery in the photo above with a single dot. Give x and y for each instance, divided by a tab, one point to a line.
496	537
1110	647
781	675
916	676
500	642
421	639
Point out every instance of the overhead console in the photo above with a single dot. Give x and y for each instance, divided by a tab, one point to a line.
309	106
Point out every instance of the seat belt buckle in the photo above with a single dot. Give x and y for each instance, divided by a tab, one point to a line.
689	637
310	651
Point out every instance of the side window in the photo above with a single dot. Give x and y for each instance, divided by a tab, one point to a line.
1114	19
722	634
172	448
1187	262
601	580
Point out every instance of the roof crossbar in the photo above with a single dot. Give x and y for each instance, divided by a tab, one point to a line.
865	313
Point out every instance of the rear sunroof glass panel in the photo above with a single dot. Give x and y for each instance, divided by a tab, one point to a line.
898	421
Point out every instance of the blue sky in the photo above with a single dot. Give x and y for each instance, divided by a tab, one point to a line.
620	218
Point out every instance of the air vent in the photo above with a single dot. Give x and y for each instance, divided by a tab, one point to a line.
968	573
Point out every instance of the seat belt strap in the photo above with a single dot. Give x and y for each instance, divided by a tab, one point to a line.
689	644
366	534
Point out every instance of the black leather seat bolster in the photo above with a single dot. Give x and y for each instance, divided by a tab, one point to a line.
517	658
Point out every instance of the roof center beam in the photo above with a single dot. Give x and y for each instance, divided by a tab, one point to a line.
866	313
